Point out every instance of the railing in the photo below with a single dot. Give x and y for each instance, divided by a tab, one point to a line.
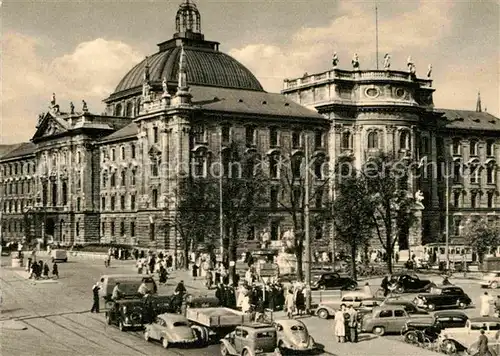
355	75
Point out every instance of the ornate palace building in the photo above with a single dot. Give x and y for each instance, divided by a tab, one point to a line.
114	177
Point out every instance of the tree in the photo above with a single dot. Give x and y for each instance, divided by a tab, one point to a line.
352	210
291	172
480	235
386	180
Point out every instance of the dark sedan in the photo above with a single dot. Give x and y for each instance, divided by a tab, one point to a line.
443	297
332	280
406	283
416	330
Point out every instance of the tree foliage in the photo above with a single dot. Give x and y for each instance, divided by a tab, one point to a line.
481	235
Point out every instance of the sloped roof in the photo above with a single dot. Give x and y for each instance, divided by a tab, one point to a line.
128	131
4	149
22	149
249	102
468	120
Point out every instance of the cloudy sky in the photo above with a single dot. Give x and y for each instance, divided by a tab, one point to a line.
80	49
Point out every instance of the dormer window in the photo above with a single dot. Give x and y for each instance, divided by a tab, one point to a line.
250	135
273	137
296	139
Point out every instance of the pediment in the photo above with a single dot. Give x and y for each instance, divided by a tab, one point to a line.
48	126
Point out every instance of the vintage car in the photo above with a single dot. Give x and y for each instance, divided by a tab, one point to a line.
332	280
490	280
406	283
170	329
59	255
464	338
389	319
443	297
293	336
250	340
416	329
357	299
126	314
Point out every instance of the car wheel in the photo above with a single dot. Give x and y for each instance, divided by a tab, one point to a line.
379	330
322	287
164	343
449	347
323	314
399	289
411	337
431	307
121	326
223	350
494	285
146	336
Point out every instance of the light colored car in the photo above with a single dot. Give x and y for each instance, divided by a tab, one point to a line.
294	336
357	299
389	319
465	338
490	280
250	340
170	329
59	255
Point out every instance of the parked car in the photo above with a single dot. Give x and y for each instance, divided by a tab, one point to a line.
126	314
443	297
357	299
464	338
332	280
59	255
406	283
293	336
251	339
389	319
490	280
170	329
417	329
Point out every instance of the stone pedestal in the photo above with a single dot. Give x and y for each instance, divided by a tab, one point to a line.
415	233
287	263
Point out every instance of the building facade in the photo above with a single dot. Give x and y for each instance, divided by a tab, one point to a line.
114	178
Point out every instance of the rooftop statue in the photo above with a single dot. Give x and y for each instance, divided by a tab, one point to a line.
53	99
387	61
335	60
84	106
355	61
146	71
164	85
429	71
71	107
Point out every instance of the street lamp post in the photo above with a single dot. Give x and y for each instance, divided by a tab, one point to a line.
306	226
447	219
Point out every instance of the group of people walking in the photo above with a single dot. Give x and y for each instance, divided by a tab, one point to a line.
346	324
41	269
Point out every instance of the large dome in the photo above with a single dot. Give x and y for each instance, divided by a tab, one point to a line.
204	66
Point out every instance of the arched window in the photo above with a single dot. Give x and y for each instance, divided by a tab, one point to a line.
404	140
132	177
346	140
274	165
132	150
373	139
490	174
296	164
490	148
456	146
113	179
473	149
123	175
130	109
424	144
113	154
118	110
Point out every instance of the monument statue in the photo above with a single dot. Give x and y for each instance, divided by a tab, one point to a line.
387	61
165	86
288	241
84	106
429	71
419	197
71	107
355	61
335	60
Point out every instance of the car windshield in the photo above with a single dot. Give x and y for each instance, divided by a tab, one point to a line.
180	323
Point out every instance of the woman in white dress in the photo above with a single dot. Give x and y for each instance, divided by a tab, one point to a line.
339	324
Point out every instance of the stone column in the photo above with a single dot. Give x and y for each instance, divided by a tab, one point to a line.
358	143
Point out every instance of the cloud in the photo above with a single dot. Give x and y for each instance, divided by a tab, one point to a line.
90	72
352	31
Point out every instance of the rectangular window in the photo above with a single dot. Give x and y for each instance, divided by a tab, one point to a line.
112	203
226	133
275	230
490	175
154	198
132	178
456	199
199	134
155	134
250	135
296	139
103	228
473	200
490	148
318	139
132	202
122	228
122	202
490	199
274	197
152	231
78	204
273	137
77	229
132	151
112	227
103	203
132	228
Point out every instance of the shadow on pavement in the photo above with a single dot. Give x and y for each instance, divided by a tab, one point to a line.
366	337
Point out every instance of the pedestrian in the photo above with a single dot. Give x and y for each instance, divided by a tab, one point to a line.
300	304
107	261
486	300
46	270
482	345
40	268
353	324
163	275
339	326
180	289
143	288
367	290
385	285
95	296
55	270
289	304
117	292
220	294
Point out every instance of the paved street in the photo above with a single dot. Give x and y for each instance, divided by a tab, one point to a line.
56	316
